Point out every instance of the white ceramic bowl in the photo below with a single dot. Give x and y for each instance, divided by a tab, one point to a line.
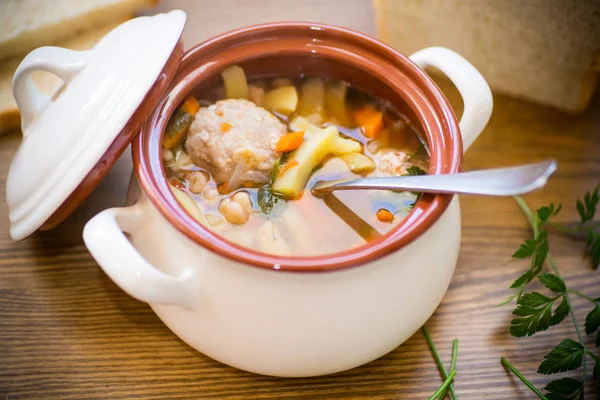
295	316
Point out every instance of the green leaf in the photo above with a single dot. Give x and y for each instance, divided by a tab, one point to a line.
542	249
553	282
526	249
565	388
534	312
592	321
266	197
266	200
593	248
560	312
587	207
598	340
414	171
557	209
507	300
535	299
522	280
536	248
567	356
581	210
545	212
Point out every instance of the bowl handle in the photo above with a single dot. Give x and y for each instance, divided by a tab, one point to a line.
104	238
63	63
475	92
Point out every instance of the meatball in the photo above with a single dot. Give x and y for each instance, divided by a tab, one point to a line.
234	134
394	162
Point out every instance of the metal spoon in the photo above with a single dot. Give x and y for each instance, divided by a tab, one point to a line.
509	181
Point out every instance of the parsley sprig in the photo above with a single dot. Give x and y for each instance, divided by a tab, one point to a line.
586	227
415	171
536	312
536	249
267	199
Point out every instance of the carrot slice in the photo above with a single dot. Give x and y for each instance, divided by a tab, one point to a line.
190	105
370	121
384	215
225	127
222	188
177	183
290	142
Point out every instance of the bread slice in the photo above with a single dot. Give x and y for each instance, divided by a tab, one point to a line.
28	24
45	82
544	51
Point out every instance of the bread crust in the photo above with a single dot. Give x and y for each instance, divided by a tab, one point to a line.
546	52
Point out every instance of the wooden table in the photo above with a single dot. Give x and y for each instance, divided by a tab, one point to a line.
68	332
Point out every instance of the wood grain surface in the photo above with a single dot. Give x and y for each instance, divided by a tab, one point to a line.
68	332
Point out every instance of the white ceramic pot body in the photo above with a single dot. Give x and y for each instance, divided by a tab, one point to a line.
274	322
282	323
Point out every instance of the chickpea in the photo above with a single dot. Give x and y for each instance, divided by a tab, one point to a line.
243	199
233	212
223	205
197	181
167	155
237	209
183	159
211	193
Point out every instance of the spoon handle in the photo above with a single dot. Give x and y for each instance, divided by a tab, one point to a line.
509	181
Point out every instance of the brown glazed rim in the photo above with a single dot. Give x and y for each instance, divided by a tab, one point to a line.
118	146
405	78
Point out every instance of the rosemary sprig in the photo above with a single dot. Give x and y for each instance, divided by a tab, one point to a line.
452	366
440	364
516	372
445	385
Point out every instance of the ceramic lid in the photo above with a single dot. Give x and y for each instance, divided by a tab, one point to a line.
70	141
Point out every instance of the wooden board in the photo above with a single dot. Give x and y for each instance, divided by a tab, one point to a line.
68	332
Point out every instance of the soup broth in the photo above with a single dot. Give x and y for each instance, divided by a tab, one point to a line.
242	161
